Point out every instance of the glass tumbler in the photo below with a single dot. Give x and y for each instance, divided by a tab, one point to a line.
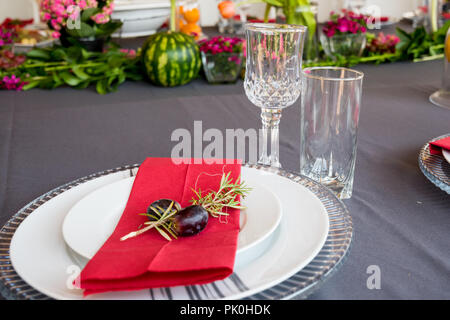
273	77
330	106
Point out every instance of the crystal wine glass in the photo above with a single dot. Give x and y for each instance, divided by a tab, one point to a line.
273	77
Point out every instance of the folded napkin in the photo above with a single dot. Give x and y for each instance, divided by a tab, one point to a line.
149	260
437	146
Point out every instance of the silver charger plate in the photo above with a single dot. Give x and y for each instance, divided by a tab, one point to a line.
435	167
327	262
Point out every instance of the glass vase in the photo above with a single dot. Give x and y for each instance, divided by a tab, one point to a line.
345	45
224	67
188	18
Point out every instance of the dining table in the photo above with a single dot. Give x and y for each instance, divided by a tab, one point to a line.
401	221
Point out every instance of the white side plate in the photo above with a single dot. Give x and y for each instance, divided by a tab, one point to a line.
93	219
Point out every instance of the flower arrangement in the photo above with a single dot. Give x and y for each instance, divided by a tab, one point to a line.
345	22
382	44
221	44
222	58
344	35
79	18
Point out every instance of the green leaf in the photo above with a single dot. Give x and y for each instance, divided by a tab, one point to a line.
88	13
79	72
58	54
107	28
87	54
40	54
101	86
70	79
57	81
84	31
74	54
115	61
83	85
47	84
439	35
31	85
275	3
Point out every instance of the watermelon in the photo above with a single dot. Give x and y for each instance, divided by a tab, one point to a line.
171	58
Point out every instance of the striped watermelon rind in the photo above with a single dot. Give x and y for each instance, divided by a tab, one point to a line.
171	59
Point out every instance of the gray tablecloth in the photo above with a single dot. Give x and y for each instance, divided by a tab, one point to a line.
401	220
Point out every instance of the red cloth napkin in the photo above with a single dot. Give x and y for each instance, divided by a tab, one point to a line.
149	260
437	146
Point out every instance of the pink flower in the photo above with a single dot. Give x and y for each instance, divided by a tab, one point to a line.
56	35
12	83
345	22
100	18
343	28
131	53
82	4
235	59
55	24
221	44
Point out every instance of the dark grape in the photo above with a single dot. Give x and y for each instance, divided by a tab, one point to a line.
190	220
163	204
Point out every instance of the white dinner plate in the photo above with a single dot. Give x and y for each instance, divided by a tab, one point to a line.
40	256
446	154
92	220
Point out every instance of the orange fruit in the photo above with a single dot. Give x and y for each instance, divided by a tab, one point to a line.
227	9
181	8
192	16
191	29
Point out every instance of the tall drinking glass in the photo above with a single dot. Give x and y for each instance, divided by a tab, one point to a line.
442	96
330	106
273	77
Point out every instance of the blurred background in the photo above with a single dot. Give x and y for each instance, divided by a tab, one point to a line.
26	9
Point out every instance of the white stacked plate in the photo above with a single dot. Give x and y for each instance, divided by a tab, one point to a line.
140	17
294	234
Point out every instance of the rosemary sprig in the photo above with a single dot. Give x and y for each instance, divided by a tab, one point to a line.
225	197
161	221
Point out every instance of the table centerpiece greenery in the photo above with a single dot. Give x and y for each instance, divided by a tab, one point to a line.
80	22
